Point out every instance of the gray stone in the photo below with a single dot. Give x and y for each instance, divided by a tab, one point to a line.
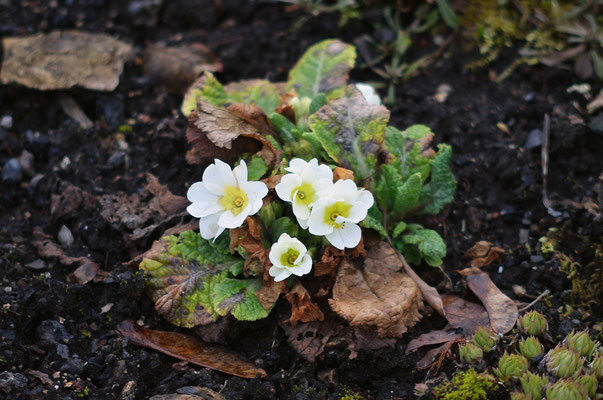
36	264
12	172
65	236
26	161
533	140
10	381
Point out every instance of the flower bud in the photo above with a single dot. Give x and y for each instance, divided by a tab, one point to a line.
533	323
530	347
588	383
511	366
485	339
563	363
470	353
581	343
533	385
596	367
565	390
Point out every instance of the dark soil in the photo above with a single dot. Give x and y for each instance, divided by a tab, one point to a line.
56	327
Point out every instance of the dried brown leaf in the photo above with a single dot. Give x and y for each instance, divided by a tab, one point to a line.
70	199
302	307
501	309
342	173
86	272
378	294
176	68
558	58
163	201
215	132
188	348
63	59
431	338
270	292
464	314
483	253
190	393
309	338
330	260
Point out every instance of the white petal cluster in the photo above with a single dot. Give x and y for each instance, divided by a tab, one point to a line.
289	257
338	211
370	94
302	185
224	198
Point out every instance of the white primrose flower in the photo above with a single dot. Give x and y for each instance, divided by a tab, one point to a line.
337	212
288	256
224	198
302	184
369	93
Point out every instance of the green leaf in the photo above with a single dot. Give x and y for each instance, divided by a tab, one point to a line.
408	147
261	92
398	229
374	220
407	195
386	188
448	14
286	129
193	281
256	168
318	101
207	88
351	131
428	243
323	67
440	190
597	63
284	225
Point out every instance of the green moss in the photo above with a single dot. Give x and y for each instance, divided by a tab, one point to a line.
467	385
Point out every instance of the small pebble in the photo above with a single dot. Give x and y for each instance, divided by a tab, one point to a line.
6	121
12	172
533	140
26	160
65	236
36	264
65	162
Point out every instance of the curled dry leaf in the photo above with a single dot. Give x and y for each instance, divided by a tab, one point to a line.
378	294
330	260
70	199
501	309
464	314
483	253
302	307
176	68
188	348
63	59
309	338
431	338
342	173
215	132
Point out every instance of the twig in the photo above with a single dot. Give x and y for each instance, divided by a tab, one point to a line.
545	160
536	300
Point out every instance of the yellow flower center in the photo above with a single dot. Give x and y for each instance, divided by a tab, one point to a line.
339	209
234	200
288	258
305	194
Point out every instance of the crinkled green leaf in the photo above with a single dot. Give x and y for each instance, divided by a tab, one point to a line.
283	225
448	14
207	88
256	168
407	147
323	67
286	129
351	131
261	92
441	187
407	195
193	281
374	220
398	229
386	187
429	244
317	102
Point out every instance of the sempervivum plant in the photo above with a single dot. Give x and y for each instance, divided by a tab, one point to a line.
470	353
565	390
596	367
533	385
581	343
562	362
530	347
485	339
511	366
588	383
533	323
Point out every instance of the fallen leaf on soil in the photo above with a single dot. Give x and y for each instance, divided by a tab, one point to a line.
216	332
176	68
464	314
377	295
436	356
365	339
73	110
501	309
69	200
330	260
302	307
272	181
61	60
342	173
188	348
429	293
163	201
86	272
309	338
41	376
483	253
215	132
190	393
270	292
124	210
431	338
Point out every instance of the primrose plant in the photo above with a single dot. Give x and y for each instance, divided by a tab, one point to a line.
299	178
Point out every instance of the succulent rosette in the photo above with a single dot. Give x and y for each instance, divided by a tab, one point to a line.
470	353
511	366
581	343
562	362
533	385
565	390
533	323
530	347
485	338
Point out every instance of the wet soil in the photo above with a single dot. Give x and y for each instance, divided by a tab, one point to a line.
57	327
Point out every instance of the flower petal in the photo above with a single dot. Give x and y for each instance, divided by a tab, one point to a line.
231	221
351	234
345	189
240	173
357	212
324	172
255	189
296	166
203	209
300	210
209	228
304	266
286	186
335	239
316	224
366	197
281	274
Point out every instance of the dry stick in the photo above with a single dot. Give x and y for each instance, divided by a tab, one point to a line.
536	300
544	155
430	294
